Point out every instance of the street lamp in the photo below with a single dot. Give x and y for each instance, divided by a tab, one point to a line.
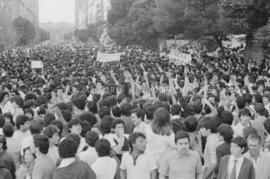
2	42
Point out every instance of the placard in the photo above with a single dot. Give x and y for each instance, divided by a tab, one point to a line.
36	64
108	57
179	58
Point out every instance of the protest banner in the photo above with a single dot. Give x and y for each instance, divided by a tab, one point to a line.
179	58
36	64
108	57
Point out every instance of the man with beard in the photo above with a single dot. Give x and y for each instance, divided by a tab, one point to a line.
260	160
181	163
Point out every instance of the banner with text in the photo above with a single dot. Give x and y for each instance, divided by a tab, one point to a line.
108	57
179	58
36	64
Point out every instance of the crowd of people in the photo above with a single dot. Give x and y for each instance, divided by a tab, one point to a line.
141	118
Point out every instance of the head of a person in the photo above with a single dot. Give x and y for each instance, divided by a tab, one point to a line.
191	124
126	109
225	131
60	92
226	117
266	99
27	156
176	110
106	124
79	102
91	138
104	111
48	118
67	148
137	141
162	123
238	146
260	110
59	125
29	113
149	111
75	138
8	130
137	116
75	126
52	133
36	126
248	131
241	102
41	144
207	125
182	142
8	118
17	102
92	107
266	125
245	116
3	143
254	144
89	117
116	111
23	122
4	97
103	147
118	126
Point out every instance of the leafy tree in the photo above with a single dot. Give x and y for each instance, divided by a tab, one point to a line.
133	26
25	30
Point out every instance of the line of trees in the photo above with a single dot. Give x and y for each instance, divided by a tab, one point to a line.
144	22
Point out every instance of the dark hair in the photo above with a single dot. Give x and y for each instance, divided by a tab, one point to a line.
62	106
241	102
91	138
74	122
226	117
48	118
244	112
106	124
161	124
67	148
116	111
260	109
10	116
197	107
133	137
59	125
18	100
163	97
139	113
86	126
89	117
21	119
116	122
103	147
208	123
126	109
191	124
149	111
104	111
92	107
29	104
240	142
42	143
75	138
36	126
2	120
226	132
67	115
258	98
30	96
8	130
79	102
181	135
2	95
30	111
50	130
176	109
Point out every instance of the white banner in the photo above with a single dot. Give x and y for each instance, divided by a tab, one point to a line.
108	57
179	58
36	64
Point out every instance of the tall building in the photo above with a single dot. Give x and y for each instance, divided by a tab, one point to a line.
11	9
90	12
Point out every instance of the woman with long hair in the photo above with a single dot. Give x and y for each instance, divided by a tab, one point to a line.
160	136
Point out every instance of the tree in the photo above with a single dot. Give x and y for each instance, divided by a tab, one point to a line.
194	19
247	16
43	35
134	25
25	30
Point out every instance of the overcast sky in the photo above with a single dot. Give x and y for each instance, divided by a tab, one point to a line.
56	11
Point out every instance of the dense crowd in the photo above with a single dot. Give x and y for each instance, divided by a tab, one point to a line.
141	118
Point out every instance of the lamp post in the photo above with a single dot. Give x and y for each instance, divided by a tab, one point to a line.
2	42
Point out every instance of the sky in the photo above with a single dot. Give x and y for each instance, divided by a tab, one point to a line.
56	11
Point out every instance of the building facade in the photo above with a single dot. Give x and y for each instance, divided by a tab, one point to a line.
11	9
90	12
